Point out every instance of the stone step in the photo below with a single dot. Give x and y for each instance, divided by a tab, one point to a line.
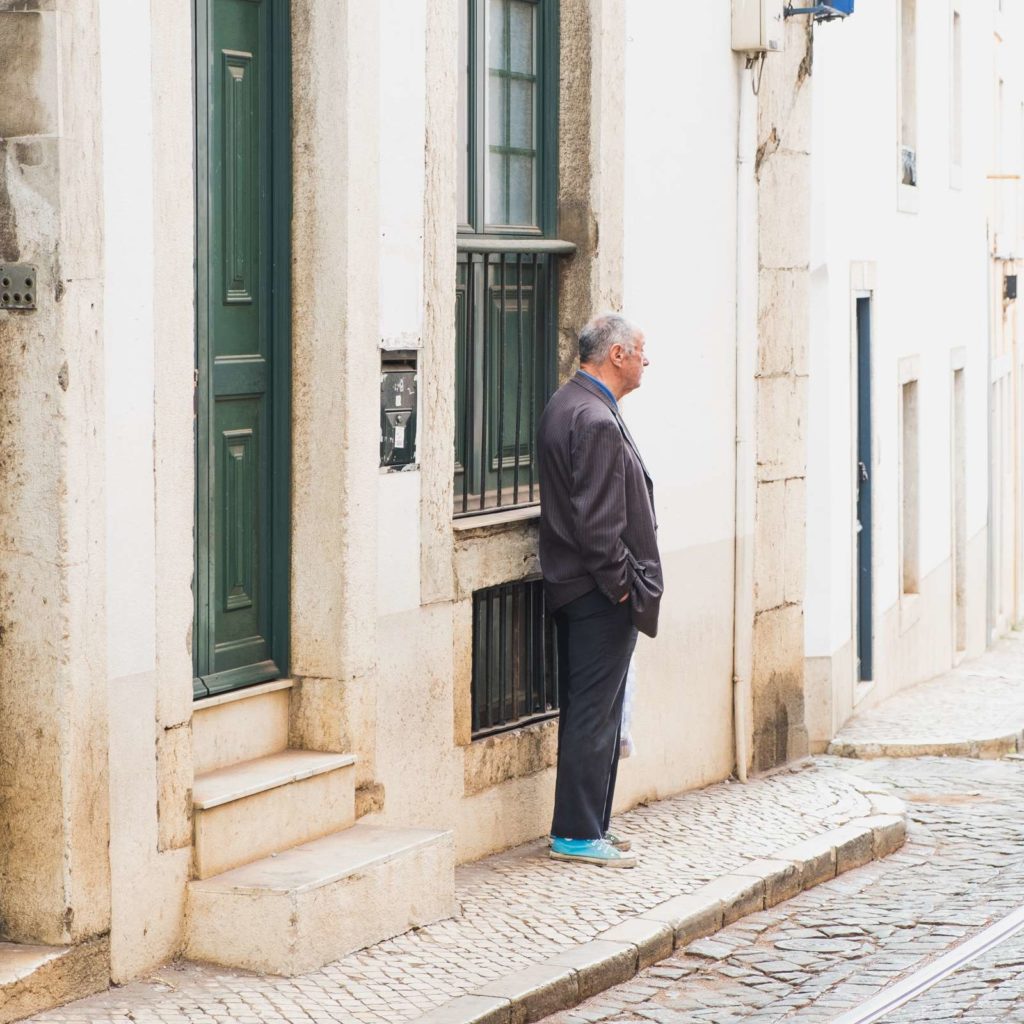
34	978
240	725
301	909
255	808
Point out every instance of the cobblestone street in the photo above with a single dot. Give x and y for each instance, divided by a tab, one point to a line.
809	959
515	909
828	950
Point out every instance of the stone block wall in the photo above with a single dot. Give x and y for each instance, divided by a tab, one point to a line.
783	173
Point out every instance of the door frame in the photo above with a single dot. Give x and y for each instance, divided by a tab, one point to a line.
279	575
861	688
958	481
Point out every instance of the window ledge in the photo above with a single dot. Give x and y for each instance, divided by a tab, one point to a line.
516	754
479	243
489	520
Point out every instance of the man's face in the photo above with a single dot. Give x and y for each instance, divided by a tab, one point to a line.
631	365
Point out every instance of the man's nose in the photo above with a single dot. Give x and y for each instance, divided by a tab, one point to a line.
647	361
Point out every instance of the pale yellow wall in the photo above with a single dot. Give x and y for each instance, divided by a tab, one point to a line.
53	729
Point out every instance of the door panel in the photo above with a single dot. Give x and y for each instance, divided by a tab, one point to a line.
242	401
865	580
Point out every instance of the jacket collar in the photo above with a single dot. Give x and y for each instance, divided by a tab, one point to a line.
588	385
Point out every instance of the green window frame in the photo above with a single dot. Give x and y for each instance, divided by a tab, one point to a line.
506	276
508	115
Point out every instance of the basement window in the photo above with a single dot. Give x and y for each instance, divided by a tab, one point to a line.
515	674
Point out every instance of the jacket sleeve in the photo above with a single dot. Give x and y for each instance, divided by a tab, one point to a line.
598	498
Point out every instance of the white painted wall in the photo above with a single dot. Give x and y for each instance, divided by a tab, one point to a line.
680	244
128	335
402	136
145	896
930	297
680	238
402	125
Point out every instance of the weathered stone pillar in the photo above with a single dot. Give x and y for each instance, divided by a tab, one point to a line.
784	173
54	823
335	378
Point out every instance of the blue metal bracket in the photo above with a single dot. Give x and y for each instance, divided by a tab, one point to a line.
823	12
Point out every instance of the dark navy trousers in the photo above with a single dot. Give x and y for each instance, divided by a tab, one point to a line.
595	643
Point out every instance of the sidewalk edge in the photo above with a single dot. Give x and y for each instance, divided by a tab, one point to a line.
578	972
988	748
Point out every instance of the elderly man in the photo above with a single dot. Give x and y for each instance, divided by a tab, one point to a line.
602	576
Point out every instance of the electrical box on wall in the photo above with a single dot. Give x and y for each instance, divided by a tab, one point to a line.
757	25
398	408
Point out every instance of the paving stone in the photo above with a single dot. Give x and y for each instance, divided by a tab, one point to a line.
690	917
782	878
854	845
815	858
599	965
739	895
535	991
653	940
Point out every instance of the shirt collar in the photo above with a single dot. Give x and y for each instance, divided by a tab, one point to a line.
604	387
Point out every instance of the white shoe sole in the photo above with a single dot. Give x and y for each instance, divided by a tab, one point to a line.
601	862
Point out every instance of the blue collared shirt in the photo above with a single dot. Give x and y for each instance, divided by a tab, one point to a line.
602	386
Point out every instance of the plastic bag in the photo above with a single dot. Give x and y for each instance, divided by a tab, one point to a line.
626	745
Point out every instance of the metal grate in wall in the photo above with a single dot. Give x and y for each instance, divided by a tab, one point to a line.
515	676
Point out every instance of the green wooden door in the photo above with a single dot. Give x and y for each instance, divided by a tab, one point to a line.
243	204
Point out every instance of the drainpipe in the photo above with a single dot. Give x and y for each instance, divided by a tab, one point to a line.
990	596
746	368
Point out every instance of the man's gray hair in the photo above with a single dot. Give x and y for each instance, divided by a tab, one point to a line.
597	338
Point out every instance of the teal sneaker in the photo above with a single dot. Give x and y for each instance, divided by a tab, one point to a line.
590	851
619	842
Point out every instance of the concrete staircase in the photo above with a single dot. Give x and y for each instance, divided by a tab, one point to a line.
285	880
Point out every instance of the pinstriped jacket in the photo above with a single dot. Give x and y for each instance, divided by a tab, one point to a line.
597	522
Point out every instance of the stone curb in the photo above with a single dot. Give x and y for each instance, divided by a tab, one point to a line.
986	749
578	972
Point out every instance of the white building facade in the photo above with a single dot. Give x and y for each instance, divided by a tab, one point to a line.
914	498
269	577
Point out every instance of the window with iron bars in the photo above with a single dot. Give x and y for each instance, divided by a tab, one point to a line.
515	674
507	270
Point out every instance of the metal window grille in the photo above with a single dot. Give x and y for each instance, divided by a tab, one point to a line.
515	675
506	303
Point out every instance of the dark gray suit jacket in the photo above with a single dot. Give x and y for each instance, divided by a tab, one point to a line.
597	521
